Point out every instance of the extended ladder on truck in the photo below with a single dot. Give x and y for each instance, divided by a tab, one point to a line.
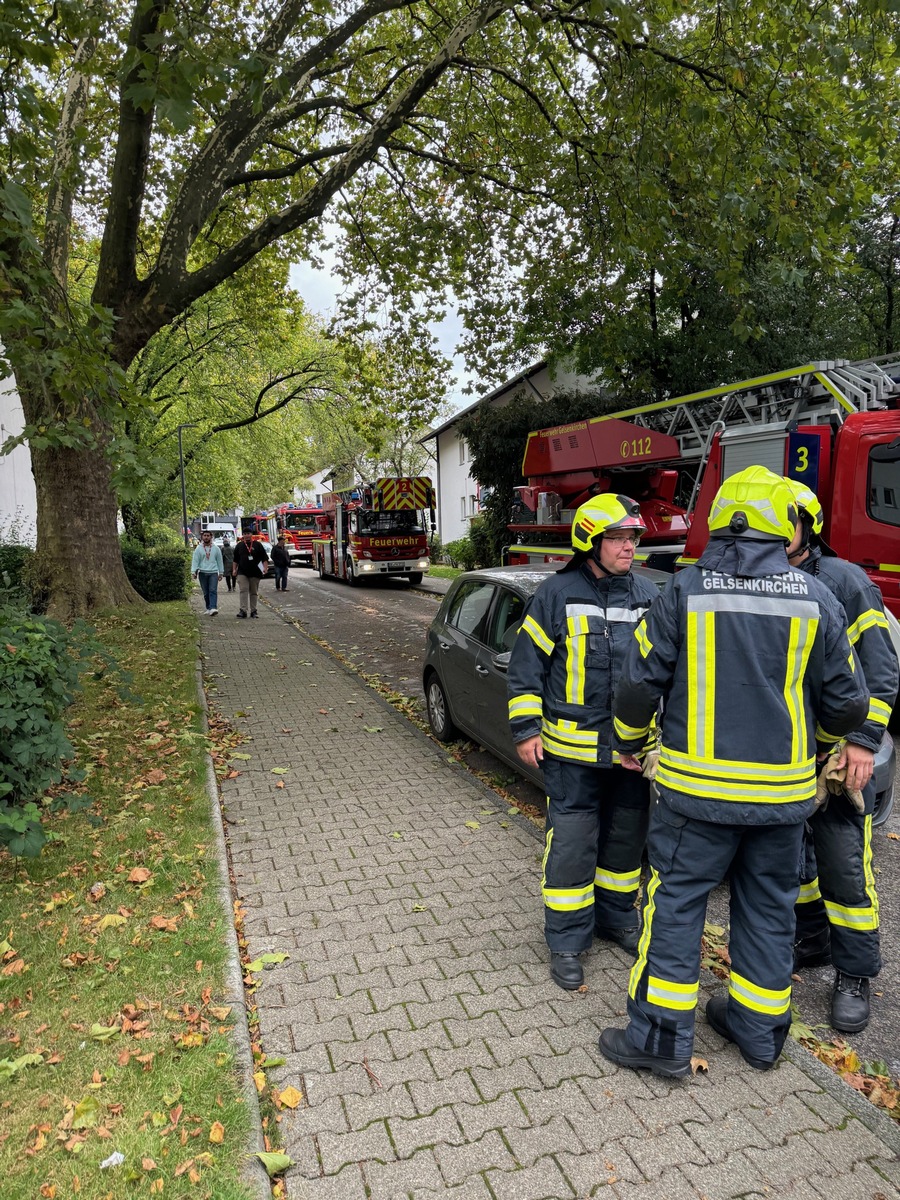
834	425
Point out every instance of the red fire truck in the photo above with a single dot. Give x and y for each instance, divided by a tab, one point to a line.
298	523
379	528
833	425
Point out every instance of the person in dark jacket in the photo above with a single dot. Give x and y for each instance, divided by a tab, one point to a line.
754	667
564	665
281	561
228	563
837	912
250	563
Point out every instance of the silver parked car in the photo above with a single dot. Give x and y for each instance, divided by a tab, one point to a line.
467	657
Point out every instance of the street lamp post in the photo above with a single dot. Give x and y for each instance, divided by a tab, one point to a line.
187	425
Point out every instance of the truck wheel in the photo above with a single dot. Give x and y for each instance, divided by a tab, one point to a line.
439	711
415	577
352	578
320	564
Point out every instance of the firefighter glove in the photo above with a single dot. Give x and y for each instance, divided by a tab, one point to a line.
832	782
651	763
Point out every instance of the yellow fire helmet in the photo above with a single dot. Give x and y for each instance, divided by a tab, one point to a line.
754	503
601	514
807	503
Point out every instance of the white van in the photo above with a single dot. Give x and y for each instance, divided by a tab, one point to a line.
219	530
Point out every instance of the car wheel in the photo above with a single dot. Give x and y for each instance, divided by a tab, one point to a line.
884	805
439	711
352	578
415	577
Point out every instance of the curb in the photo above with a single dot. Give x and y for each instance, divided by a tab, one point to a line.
254	1172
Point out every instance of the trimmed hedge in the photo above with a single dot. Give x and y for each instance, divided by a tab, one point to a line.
157	573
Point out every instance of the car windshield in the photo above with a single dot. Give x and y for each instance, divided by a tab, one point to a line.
382	524
300	521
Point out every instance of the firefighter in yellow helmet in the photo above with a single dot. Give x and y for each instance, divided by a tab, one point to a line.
562	674
837	913
753	661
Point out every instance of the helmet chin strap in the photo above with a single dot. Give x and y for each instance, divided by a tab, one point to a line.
595	555
805	543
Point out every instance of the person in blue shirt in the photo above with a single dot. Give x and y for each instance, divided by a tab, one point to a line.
207	566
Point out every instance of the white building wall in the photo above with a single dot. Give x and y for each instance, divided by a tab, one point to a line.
457	491
18	498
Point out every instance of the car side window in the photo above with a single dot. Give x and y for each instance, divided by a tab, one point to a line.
469	609
508	613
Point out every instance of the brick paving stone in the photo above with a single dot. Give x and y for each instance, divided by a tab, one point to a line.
415	1176
458	1163
653	1154
474	1188
795	1159
842	1147
441	1127
453	1089
535	1142
791	1115
860	1183
717	1139
592	1173
543	1181
385	1102
503	1114
348	1185
338	1149
671	1185
494	1081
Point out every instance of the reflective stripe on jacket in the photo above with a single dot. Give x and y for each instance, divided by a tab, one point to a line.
570	649
753	670
869	636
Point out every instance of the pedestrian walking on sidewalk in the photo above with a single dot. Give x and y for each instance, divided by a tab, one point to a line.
207	566
566	659
837	913
228	562
755	665
281	561
250	564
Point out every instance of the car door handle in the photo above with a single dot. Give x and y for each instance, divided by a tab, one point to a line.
482	670
444	645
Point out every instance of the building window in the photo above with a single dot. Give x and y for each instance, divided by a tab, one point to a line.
462	507
473	505
462	450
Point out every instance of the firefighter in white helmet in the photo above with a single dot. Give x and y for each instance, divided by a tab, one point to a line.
753	661
563	670
837	913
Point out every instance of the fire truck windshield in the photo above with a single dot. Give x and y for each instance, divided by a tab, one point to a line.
382	524
300	521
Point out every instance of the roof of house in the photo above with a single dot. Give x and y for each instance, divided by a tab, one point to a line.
534	369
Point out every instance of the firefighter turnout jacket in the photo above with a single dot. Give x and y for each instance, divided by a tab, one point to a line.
870	637
754	667
571	648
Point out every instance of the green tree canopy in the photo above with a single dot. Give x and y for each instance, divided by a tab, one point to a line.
548	153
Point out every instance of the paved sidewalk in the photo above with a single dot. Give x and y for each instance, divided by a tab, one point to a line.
415	1011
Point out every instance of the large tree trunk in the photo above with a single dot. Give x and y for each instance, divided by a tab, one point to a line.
78	555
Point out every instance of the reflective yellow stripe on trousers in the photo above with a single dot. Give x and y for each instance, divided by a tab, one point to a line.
863	919
563	899
759	999
617	881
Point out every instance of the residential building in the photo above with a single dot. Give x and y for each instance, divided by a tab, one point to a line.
458	494
18	497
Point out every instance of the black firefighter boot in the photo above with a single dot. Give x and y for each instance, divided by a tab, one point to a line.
813	949
566	971
850	1003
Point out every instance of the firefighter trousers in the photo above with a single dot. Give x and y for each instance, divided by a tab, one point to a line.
837	885
595	837
688	858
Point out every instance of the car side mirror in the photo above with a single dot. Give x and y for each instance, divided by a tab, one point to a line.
501	661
